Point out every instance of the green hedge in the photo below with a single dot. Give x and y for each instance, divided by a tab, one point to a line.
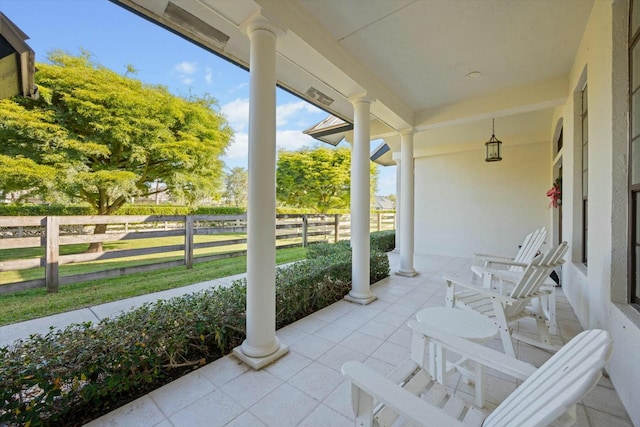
61	210
72	376
44	210
178	210
382	241
300	211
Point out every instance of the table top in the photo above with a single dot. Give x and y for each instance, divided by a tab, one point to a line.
462	323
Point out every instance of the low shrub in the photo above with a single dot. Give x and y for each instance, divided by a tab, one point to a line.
316	250
383	241
74	375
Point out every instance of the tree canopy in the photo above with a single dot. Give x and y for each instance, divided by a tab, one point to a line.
317	179
100	137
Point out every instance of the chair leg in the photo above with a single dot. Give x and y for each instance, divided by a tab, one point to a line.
363	406
503	327
450	298
551	309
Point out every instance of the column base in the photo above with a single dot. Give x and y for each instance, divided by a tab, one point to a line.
258	363
407	273
361	301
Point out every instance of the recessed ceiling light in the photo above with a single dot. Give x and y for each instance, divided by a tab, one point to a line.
473	75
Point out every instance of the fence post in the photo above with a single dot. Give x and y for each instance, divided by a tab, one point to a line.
379	220
51	254
305	224
188	241
336	231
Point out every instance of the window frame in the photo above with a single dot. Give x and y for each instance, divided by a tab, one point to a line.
584	143
634	188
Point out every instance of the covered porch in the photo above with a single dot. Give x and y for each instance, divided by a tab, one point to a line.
429	78
306	388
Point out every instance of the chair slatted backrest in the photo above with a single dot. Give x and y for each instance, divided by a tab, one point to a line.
539	271
529	248
532	279
558	384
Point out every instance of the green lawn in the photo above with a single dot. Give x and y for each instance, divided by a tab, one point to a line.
100	265
34	303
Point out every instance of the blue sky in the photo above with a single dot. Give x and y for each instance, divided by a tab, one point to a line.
116	37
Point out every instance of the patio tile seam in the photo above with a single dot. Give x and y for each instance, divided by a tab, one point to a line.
317	401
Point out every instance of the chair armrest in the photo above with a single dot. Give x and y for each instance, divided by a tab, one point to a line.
507	275
507	262
490	256
478	289
391	394
514	276
473	351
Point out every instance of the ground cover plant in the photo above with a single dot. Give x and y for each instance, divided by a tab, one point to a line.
70	376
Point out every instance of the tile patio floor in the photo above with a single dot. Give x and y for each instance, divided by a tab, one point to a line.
306	388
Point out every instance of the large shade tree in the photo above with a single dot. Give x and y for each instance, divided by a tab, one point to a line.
317	179
103	138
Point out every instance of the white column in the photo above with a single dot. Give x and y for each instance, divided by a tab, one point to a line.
261	346
360	203
397	159
407	205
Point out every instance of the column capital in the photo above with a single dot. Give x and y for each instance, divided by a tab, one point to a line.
259	21
361	98
407	132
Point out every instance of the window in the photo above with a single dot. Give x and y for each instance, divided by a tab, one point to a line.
584	116
559	142
634	150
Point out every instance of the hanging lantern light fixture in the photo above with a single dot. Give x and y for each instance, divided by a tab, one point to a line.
492	147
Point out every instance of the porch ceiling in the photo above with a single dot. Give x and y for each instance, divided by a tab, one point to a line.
412	56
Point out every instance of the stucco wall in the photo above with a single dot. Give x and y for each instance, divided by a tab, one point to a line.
590	289
464	204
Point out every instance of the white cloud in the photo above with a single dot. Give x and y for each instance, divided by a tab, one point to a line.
286	111
292	140
185	68
237	113
238	149
239	87
208	77
185	71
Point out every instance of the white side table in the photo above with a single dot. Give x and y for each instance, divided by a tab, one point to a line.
465	324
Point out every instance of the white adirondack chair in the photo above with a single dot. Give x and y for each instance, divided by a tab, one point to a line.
506	309
528	250
548	394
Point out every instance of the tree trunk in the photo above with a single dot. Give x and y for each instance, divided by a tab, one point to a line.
97	246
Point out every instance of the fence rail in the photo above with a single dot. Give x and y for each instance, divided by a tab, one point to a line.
52	232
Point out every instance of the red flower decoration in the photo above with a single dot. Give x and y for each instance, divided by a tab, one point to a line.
555	193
